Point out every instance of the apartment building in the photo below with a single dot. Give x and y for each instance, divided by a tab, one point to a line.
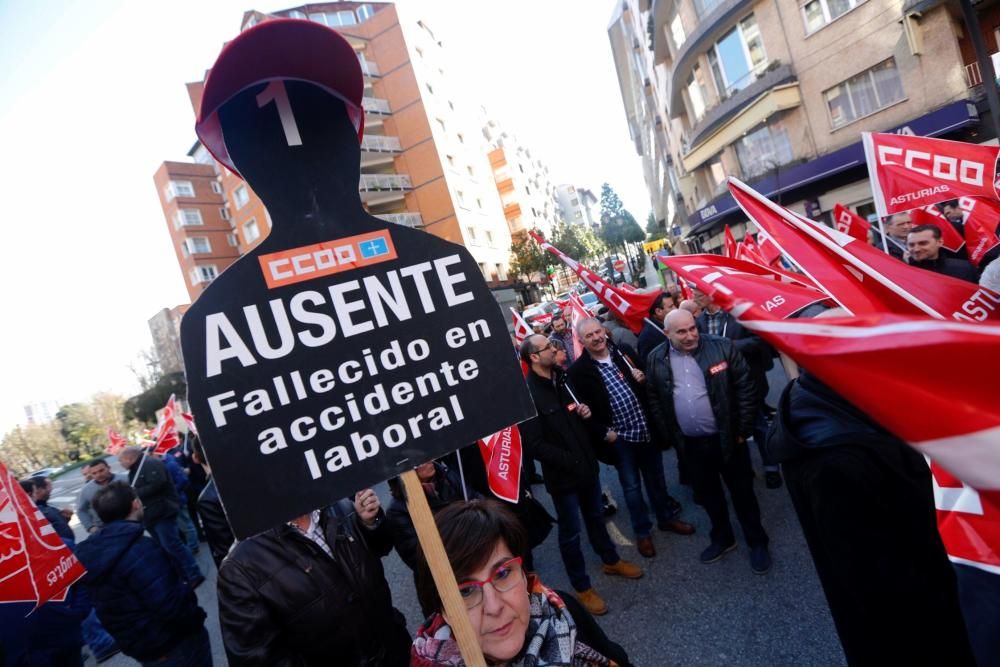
424	160
165	328
523	183
777	93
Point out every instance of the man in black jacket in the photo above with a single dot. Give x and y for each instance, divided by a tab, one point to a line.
558	439
924	245
155	488
760	359
160	502
701	393
313	592
865	502
218	533
609	381
652	335
140	598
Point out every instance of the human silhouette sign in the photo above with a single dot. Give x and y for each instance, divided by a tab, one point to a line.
343	349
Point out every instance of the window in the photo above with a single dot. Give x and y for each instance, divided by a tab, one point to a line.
696	93
365	12
203	274
461	138
738	58
486	272
461	198
705	7
451	105
864	94
296	14
716	173
471	233
820	12
216	187
224	213
501	274
578	215
479	202
430	88
334	19
187	217
574	202
179	189
233	241
677	31
441	124
763	149
489	238
251	232
241	197
470	170
451	160
197	245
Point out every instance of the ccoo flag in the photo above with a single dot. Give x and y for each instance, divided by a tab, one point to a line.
501	454
850	223
631	307
910	172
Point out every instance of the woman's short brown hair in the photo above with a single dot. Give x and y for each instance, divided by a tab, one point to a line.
469	530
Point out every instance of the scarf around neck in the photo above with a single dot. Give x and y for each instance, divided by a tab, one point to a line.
549	642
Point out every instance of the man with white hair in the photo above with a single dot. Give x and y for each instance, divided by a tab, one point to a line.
607	378
701	392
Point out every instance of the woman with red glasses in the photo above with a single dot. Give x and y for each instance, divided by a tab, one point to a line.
517	620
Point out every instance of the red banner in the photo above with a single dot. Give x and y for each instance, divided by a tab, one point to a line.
501	454
521	328
749	252
909	172
35	564
116	443
778	296
850	223
768	249
980	227
729	247
578	313
929	215
860	277
631	307
166	430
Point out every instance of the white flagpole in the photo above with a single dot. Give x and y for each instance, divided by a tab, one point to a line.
461	474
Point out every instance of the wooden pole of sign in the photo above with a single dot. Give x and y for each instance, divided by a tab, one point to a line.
444	578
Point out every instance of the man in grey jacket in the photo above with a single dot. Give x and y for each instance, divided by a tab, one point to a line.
100	476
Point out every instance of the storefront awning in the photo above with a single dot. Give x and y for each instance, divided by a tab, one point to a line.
942	121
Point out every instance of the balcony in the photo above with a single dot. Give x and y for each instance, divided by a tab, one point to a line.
375	105
414	220
721	16
370	69
375	143
380	182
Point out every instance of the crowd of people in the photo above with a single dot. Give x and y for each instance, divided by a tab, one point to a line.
693	380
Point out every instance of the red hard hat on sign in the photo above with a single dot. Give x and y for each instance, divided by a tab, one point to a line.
279	49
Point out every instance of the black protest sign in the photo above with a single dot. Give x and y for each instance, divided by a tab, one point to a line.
344	349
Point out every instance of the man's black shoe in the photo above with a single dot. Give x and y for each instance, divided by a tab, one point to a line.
608	505
716	551
760	560
772	479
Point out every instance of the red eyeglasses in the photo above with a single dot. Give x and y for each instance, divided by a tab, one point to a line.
506	576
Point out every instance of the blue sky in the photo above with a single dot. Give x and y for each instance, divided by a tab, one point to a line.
92	100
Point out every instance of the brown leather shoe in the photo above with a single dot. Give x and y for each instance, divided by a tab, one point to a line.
592	602
623	568
677	526
645	546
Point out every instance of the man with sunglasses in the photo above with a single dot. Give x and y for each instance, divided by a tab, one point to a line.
558	438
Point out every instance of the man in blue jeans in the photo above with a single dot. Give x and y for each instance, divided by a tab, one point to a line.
152	483
607	378
558	439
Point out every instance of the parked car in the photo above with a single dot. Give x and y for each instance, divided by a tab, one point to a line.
591	302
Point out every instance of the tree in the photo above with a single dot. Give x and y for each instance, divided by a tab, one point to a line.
578	241
653	229
28	448
143	406
526	258
79	427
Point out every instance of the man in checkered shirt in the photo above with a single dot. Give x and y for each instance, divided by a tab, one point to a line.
608	379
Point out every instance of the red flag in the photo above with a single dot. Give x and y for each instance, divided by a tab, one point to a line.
767	289
850	223
166	430
501	454
860	277
729	246
116	443
908	172
748	251
687	293
957	425
768	250
981	218
631	307
189	421
929	215
35	564
521	328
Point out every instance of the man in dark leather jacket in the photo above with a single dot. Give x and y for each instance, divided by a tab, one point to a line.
313	592
218	533
701	393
